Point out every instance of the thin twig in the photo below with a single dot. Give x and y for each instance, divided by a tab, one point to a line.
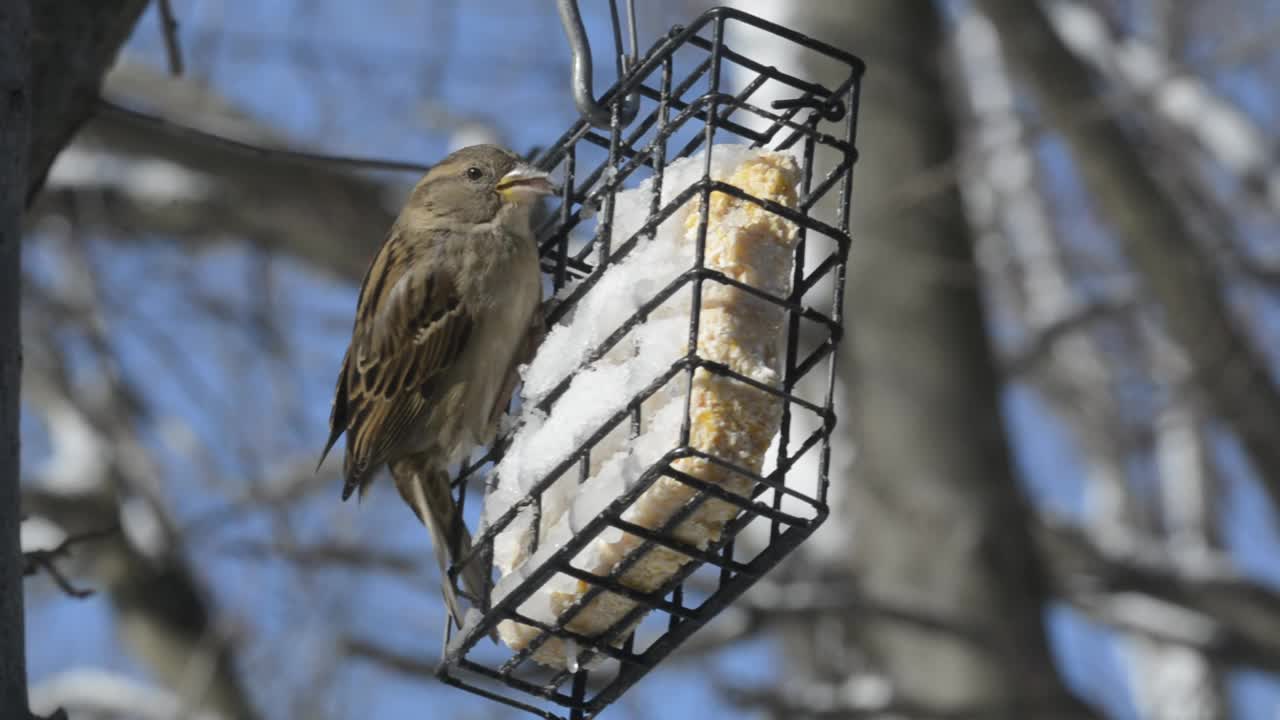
1024	359
326	555
169	28
177	130
37	560
391	659
1260	271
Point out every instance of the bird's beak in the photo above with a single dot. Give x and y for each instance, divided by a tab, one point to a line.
525	182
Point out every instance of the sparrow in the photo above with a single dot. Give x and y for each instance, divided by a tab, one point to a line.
447	312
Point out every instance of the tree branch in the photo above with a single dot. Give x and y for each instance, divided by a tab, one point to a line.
169	28
221	181
37	560
860	696
1154	236
163	613
1080	319
403	663
1220	614
1226	133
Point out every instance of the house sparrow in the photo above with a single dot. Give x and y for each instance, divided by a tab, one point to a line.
448	310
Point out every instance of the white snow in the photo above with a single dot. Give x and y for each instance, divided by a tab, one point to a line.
571	652
470	622
143	525
91	692
77	463
40	533
154	179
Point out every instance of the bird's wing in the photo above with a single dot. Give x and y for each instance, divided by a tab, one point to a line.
410	326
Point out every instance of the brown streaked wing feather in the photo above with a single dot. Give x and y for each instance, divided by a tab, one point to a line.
338	413
410	326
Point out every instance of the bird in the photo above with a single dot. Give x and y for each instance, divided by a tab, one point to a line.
447	311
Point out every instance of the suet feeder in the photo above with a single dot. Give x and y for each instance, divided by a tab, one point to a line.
707	460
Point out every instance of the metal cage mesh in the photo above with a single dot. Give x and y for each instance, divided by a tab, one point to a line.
684	109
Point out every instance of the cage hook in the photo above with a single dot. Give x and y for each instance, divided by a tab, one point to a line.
591	109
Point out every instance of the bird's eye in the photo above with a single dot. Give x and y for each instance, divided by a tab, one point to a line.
474	173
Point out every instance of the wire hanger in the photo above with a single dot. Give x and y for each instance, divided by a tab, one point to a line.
597	114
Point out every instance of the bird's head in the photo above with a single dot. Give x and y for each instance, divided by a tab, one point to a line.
473	185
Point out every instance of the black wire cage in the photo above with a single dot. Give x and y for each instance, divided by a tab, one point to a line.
691	91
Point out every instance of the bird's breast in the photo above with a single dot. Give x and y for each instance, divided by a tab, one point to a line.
506	294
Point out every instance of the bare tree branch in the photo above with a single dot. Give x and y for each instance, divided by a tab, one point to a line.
155	124
1225	132
1074	373
321	555
1155	237
1222	615
1079	320
163	614
169	28
323	215
1217	612
45	560
859	697
402	663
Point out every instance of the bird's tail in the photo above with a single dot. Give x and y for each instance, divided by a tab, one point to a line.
426	490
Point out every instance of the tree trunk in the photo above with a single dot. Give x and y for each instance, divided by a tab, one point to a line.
53	55
15	137
939	524
75	43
